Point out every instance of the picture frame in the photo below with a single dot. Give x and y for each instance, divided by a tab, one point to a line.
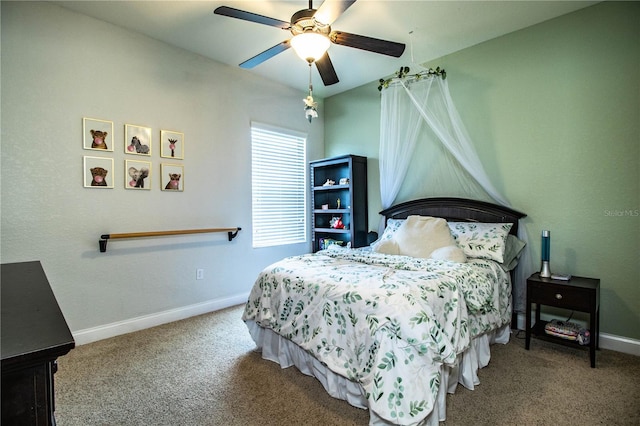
137	140
97	172
171	144
97	134
137	175
172	177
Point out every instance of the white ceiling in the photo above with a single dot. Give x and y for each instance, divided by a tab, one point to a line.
430	29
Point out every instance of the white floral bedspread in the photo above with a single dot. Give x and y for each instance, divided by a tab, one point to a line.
386	322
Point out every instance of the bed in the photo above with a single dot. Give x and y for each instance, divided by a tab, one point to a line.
392	332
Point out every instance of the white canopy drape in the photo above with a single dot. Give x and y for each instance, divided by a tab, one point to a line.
420	108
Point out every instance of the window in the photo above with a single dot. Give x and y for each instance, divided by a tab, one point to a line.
278	181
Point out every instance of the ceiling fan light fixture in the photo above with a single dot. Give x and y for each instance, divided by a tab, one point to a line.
310	46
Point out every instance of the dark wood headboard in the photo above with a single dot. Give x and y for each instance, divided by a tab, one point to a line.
456	210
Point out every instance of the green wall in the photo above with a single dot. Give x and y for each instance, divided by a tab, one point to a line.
554	112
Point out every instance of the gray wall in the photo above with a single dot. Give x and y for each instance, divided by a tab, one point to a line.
553	112
58	67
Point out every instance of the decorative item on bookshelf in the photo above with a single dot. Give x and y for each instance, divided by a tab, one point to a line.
545	272
324	243
336	223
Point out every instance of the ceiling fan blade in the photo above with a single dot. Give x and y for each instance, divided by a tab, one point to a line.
330	10
251	17
267	54
371	44
326	70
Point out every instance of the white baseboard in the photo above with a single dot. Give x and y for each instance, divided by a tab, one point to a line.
93	334
620	344
607	341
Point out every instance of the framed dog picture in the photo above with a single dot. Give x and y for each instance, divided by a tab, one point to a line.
172	177
97	134
137	140
171	144
137	174
97	172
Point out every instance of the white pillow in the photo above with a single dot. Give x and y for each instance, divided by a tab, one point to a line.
450	254
419	236
388	246
481	240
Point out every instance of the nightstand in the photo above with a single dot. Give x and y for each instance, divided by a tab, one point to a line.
578	294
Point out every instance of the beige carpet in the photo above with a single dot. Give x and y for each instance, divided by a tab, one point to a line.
204	371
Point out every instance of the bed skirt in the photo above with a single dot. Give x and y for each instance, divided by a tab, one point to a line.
286	353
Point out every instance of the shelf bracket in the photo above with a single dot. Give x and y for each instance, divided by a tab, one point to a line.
233	234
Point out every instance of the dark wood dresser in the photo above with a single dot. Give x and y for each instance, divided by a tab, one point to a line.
34	335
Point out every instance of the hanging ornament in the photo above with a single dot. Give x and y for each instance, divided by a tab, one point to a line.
310	111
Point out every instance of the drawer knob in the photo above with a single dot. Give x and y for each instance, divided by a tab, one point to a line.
558	296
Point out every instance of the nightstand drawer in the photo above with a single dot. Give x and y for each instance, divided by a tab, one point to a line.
561	296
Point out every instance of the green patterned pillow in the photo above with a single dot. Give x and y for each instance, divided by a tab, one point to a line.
481	240
512	252
389	231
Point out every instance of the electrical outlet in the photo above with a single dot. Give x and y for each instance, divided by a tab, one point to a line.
199	274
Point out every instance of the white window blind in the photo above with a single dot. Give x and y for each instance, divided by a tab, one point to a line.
278	181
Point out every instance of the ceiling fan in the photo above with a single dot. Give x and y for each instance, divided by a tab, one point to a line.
316	24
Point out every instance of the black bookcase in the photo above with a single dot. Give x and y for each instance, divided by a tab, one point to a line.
352	208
